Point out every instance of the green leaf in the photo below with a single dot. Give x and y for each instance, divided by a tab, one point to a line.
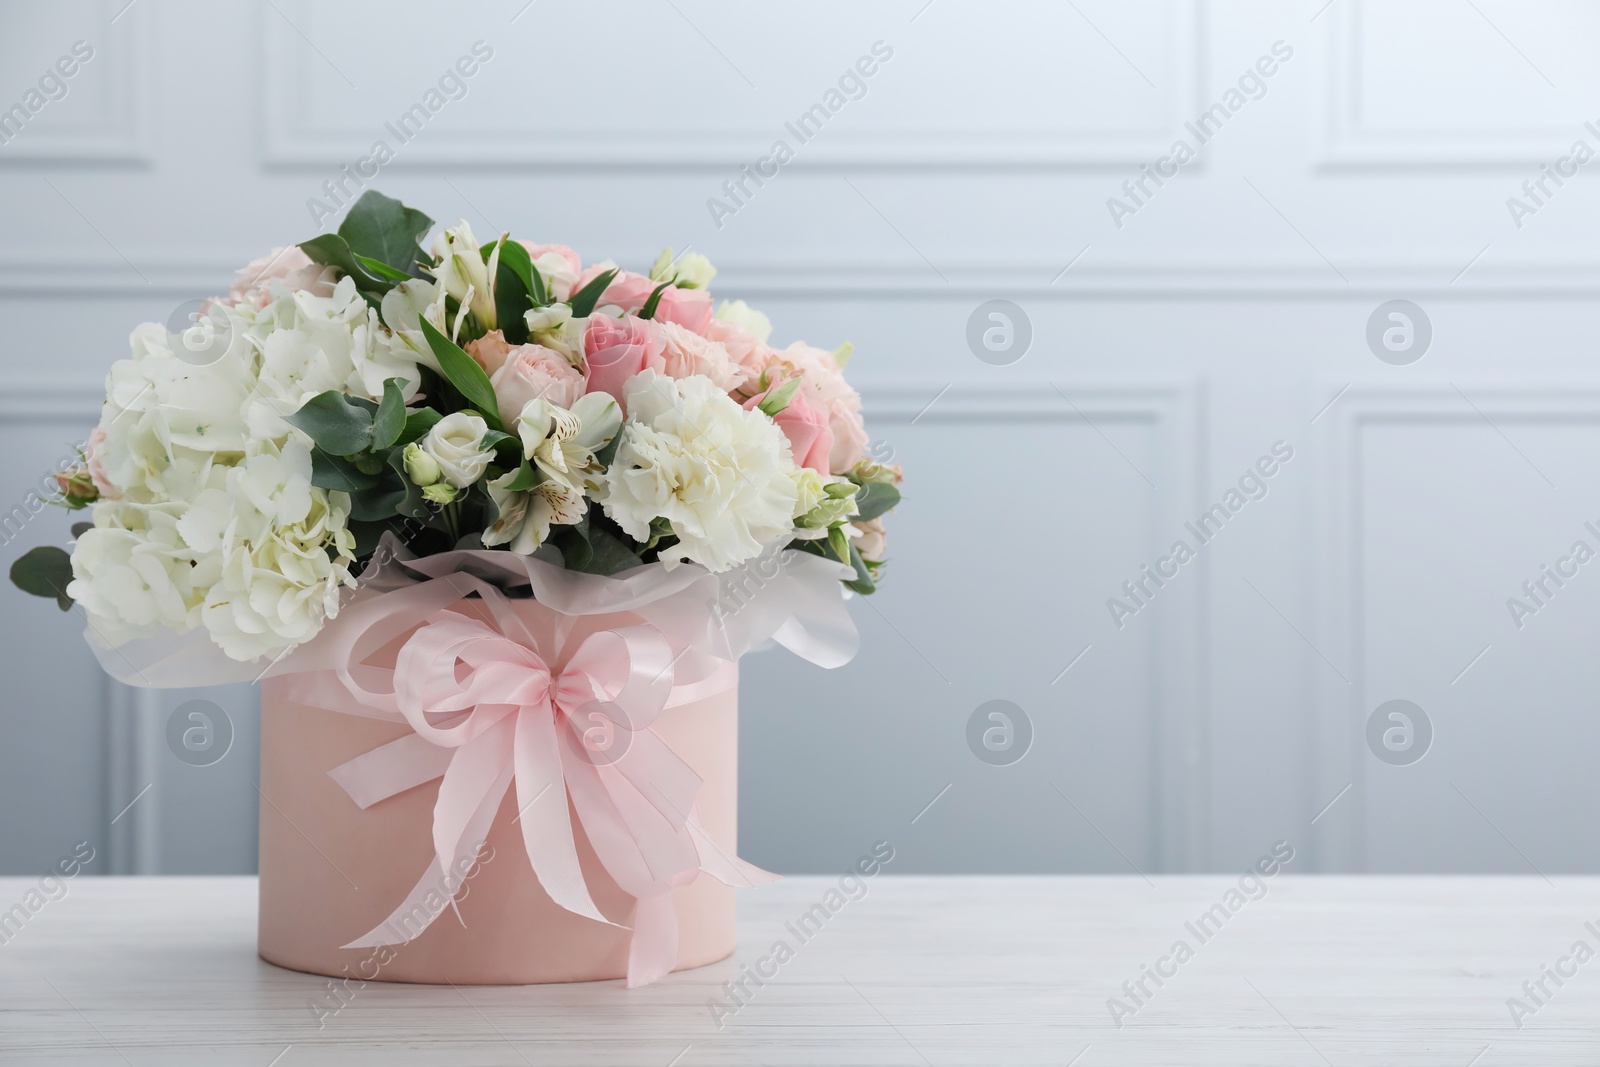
464	373
337	425
330	472
511	288
653	301
875	498
527	477
418	423
382	228
608	451
382	269
44	571
779	398
611	555
331	250
862	583
584	300
381	502
391	417
81	528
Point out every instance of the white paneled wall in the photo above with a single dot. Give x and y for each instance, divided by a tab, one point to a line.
1347	154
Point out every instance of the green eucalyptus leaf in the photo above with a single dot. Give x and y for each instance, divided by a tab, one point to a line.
335	422
875	498
464	373
44	571
332	472
391	417
81	528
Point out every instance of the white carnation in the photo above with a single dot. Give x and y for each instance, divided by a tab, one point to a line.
720	475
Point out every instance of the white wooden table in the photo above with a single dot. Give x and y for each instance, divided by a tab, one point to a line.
922	970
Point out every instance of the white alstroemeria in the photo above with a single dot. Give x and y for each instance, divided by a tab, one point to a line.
456	444
549	317
559	277
403	309
554	327
562	443
525	518
463	274
741	314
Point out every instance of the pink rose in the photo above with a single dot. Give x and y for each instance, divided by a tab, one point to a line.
526	372
289	265
842	403
95	451
748	352
871	543
558	264
687	353
805	423
689	308
614	350
490	351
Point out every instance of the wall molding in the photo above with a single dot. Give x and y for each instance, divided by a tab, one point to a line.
1337	749
1346	143
1174	411
24	274
119	76
288	141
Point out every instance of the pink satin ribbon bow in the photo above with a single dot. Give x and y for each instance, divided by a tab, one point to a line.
488	712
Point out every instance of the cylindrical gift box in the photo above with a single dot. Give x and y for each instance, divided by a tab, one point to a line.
331	871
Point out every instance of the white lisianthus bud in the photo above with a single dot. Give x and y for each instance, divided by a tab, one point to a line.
694	272
689	271
439	493
661	269
455	444
741	314
421	468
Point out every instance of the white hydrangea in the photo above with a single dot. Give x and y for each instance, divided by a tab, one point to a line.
723	477
217	523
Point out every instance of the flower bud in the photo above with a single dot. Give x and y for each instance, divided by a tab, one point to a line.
439	493
77	488
421	467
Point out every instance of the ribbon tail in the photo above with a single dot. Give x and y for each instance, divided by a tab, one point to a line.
654	948
391	769
439	884
546	822
723	865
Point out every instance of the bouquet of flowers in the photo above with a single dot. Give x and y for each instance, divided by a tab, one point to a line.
470	396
